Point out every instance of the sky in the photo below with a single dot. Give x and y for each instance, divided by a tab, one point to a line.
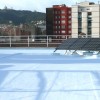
38	5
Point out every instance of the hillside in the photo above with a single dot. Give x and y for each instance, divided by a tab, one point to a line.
20	16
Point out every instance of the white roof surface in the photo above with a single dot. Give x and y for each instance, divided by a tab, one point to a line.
38	74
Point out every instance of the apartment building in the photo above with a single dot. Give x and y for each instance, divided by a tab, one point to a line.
58	20
86	19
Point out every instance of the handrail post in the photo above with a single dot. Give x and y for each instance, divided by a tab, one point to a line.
28	41
47	41
10	40
66	36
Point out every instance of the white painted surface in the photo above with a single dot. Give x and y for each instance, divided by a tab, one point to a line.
38	74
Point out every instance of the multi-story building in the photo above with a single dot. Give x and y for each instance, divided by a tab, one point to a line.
58	20
86	19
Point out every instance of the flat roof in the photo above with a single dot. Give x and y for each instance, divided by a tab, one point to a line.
39	74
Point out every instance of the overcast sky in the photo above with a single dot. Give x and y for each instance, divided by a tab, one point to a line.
38	5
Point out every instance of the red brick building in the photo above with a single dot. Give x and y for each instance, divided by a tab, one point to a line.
58	20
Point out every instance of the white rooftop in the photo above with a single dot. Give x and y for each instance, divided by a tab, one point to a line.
38	74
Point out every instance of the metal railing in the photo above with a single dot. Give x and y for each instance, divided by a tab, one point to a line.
38	40
32	41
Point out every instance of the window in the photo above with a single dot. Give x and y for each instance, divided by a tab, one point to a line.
79	30
89	23
56	27
87	8
69	12
55	22
63	26
59	27
58	12
89	13
79	14
58	22
69	21
63	11
79	25
63	21
80	9
55	32
89	16
89	31
69	17
63	31
69	26
58	16
69	31
58	31
62	16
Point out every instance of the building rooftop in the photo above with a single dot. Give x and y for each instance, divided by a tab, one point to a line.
38	74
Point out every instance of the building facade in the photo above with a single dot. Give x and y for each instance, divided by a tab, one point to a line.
58	20
86	19
49	21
